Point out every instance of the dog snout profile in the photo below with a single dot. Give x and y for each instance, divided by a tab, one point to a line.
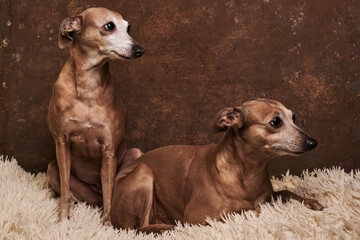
138	51
311	143
267	124
99	30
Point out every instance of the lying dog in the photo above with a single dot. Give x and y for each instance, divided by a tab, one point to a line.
85	117
189	183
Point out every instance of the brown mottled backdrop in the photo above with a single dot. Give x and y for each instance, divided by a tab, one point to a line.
200	56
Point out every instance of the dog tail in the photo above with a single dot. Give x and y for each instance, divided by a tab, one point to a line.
156	228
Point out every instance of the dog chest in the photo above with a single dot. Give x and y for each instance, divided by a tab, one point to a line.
98	119
88	127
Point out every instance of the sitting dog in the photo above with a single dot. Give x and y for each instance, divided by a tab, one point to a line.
190	183
85	117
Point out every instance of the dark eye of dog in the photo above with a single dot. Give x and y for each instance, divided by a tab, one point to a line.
128	29
276	122
293	118
110	26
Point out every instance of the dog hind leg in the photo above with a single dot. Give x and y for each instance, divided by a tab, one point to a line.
133	198
130	156
79	191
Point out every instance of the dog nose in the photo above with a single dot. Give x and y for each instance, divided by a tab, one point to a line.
311	143
138	51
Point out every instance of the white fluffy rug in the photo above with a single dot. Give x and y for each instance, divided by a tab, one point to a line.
29	210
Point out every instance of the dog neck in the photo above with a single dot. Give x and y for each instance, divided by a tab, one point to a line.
238	164
91	73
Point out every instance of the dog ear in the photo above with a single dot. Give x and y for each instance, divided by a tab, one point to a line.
228	117
68	27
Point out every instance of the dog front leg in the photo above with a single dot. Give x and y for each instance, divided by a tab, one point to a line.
309	203
63	157
108	172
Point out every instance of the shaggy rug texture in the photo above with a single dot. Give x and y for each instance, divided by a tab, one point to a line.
29	210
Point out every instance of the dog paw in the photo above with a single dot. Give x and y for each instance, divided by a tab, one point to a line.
313	204
64	211
63	216
107	221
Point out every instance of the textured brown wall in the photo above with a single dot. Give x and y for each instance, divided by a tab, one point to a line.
200	56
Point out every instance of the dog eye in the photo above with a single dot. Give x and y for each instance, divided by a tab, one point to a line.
293	118
110	26
128	29
276	122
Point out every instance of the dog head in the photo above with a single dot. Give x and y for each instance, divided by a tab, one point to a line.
267	126
100	31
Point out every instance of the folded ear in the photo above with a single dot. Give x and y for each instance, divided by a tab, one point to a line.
68	27
228	117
